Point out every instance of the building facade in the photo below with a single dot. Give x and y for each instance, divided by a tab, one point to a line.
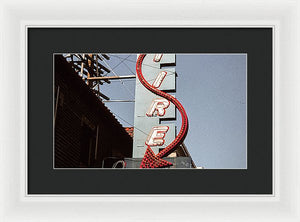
86	133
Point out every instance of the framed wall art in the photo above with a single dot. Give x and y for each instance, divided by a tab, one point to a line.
209	100
82	149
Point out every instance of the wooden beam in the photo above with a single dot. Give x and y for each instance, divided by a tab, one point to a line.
118	101
112	77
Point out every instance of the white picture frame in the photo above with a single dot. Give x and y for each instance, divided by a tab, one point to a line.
283	16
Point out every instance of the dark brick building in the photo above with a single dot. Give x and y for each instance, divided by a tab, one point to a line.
86	132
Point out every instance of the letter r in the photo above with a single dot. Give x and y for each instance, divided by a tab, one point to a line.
158	105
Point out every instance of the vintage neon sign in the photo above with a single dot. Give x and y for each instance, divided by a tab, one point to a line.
157	134
157	57
158	107
159	79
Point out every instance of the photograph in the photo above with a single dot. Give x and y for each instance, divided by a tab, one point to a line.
148	111
193	110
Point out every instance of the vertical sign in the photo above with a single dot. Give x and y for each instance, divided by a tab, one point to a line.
150	109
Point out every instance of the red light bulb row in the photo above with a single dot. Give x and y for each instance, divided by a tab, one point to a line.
151	160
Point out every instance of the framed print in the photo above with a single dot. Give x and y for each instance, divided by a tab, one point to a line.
101	142
70	153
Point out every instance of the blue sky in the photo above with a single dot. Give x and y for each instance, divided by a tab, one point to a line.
212	89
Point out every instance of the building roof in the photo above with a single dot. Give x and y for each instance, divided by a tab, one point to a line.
72	76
